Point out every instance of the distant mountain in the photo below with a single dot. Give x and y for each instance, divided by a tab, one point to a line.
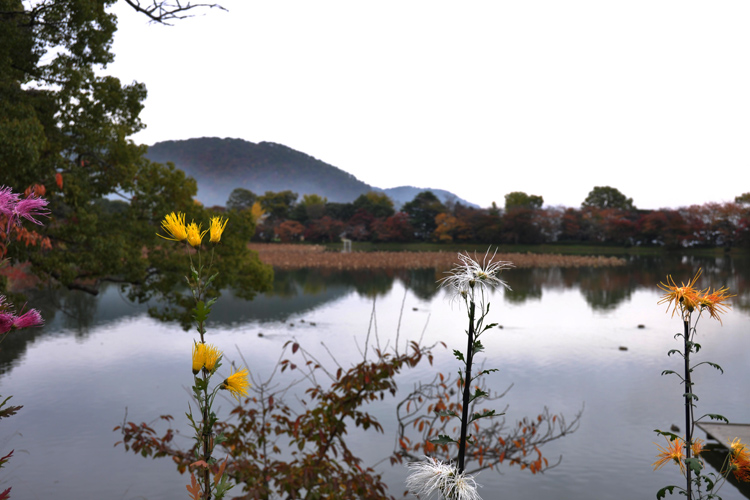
221	165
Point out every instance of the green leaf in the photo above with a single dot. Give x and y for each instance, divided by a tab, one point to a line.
478	347
486	413
716	416
491	325
484	372
672	351
459	355
663	492
694	464
478	394
443	439
209	280
709	483
446	413
671	435
690	395
201	311
714	365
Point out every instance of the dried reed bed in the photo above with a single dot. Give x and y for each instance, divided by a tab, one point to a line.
283	256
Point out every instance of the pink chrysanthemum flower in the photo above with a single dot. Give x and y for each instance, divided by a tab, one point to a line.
30	207
6	322
30	318
8	200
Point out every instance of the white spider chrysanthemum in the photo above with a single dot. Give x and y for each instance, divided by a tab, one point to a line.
432	475
469	275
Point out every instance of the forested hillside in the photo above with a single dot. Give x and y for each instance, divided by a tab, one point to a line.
221	165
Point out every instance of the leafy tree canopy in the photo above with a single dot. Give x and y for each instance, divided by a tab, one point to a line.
314	205
422	211
278	205
241	199
743	198
519	199
65	126
607	197
377	204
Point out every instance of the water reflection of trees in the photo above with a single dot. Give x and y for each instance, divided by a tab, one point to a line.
368	283
299	291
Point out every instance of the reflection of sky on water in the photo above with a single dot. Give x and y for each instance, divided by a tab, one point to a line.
557	347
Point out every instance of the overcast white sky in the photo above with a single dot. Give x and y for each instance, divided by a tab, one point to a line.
482	98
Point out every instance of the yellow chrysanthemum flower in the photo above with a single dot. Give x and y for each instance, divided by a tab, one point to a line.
684	297
237	384
213	356
205	356
199	357
673	453
174	224
194	234
217	227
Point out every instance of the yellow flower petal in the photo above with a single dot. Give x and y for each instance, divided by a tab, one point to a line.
237	384
194	234
174	224
217	227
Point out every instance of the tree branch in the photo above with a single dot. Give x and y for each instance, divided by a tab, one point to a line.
163	11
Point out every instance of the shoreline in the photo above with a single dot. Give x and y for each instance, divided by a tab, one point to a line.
291	256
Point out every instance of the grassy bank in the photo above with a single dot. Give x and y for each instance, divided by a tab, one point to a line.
288	256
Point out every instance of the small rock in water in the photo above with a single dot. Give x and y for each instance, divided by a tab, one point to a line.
641	326
500	326
312	323
291	324
260	334
623	348
302	321
414	309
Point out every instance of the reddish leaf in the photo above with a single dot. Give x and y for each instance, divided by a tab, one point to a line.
194	488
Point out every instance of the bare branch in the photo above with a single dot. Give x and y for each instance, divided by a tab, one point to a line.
164	12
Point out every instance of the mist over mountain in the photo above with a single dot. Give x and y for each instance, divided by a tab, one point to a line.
221	165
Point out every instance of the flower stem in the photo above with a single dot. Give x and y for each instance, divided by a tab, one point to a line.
467	391
688	403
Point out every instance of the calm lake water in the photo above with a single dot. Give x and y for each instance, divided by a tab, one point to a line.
100	357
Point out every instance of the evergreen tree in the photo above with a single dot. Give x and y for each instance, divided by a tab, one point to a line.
65	127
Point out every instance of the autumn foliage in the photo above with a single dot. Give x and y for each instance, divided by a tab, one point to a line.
428	219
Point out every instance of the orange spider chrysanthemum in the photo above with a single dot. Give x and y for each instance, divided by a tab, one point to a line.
713	302
739	450
741	469
673	453
697	447
684	297
739	460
